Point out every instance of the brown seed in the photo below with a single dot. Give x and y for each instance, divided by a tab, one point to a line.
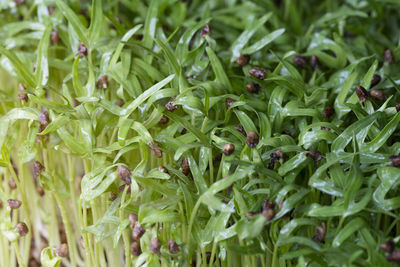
62	250
278	154
51	10
185	166
243	60
162	169
184	131
14	203
113	196
251	214
54	37
271	164
398	107
102	82
173	247
155	245
124	174
44	118
164	120
240	129
228	149
170	105
122	188
40	190
155	150
229	102
388	246
135	248
1	204
133	219
205	31
388	56
22	229
119	103
378	95
268	213
252	139
253	88
299	61
315	155
12	184
361	93
375	80
394	256
22	96
328	111
395	161
37	169
75	102
82	50
325	128
314	62
138	232
321	232
268	204
258	73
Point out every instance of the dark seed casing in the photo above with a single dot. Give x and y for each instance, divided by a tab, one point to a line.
44	118
240	129
228	149
378	95
243	60
82	50
299	61
388	246
375	80
22	229
164	120
133	219
205	31
54	37
155	245
102	82
170	105
398	107
388	56
258	73
314	62
173	247
361	93
22	96
37	169
394	256
328	111
138	232
14	203
229	102
185	166
62	250
253	88
135	248
252	139
124	174
395	161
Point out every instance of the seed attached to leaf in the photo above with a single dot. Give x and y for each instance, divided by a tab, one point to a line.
138	232
268	213
185	166
124	174
37	169
314	62
173	247
328	111
375	80
135	248
22	229
258	73
12	184
315	155
321	232
82	50
102	82
250	214
253	88
14	203
113	196
388	56
271	165
133	219
240	129
361	93
44	118
164	120
300	61
62	250
155	245
243	60
170	105
252	139
205	31
398	107
162	169
394	256
22	96
388	246
395	161
278	154
229	102
40	190
54	37
155	150
378	95
228	149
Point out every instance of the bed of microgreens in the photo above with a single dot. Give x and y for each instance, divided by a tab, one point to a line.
199	133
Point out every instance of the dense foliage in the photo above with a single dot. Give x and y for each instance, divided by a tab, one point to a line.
202	133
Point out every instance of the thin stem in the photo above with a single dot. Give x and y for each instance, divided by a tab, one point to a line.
18	254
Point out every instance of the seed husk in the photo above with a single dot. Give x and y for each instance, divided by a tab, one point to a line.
388	56
378	95
133	219
395	161
314	62
229	102
251	214
315	155
14	203
185	166
138	232
155	150
240	129
113	196
228	149
40	190
271	165
258	73
12	184
328	111
268	213
135	248
361	93
22	96
205	31
54	37
170	105
173	247
243	60
388	246
162	169
62	250
253	88
278	154
375	80
398	107
300	61
252	139
394	256
44	118
37	169
155	245
124	174
321	232
164	120
102	82
82	50
22	229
